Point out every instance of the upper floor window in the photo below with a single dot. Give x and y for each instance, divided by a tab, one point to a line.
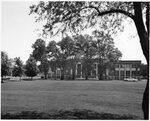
117	65
122	66
94	66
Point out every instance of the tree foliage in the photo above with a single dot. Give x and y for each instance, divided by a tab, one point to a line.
31	67
52	54
18	67
40	54
74	16
44	66
66	51
84	45
4	64
38	49
106	52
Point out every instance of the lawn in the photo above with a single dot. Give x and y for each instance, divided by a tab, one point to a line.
115	97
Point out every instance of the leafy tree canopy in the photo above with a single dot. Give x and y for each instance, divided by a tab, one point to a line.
105	47
4	64
38	49
31	67
18	67
44	66
78	15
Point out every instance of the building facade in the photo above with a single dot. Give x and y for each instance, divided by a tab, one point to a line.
119	71
126	69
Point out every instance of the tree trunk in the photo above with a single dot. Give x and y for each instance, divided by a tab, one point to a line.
100	73
86	77
100	76
45	75
144	40
62	75
145	102
73	74
55	74
2	80
86	74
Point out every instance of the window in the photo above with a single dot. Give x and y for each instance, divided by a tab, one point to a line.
127	66
133	73
127	73
117	65
78	69
93	73
138	72
133	66
122	73
94	67
117	73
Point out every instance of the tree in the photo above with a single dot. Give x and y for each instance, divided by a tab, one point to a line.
40	54
44	66
18	67
52	53
87	51
38	49
31	67
4	64
106	52
74	15
66	46
11	64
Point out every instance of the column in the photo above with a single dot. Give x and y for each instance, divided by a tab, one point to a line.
107	72
97	70
71	71
81	71
56	73
119	71
51	74
130	70
60	74
91	73
76	69
124	72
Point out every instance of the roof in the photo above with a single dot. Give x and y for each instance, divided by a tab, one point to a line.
129	62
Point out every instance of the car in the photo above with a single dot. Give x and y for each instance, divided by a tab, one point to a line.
130	79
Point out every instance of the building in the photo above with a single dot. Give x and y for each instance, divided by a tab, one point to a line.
119	71
125	69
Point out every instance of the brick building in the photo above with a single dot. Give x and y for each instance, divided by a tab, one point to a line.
125	69
119	71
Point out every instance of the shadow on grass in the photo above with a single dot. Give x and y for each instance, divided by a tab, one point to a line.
67	114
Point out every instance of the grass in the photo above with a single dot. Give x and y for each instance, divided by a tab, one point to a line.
111	98
71	114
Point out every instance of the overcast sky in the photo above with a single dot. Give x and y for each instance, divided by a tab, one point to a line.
18	33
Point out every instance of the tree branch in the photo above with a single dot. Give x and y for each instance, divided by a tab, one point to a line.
116	11
112	11
105	12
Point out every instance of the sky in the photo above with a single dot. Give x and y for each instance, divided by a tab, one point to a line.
18	33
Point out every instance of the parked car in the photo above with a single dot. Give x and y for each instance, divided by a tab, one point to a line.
130	79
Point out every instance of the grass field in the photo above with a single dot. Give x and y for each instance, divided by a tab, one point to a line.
115	97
